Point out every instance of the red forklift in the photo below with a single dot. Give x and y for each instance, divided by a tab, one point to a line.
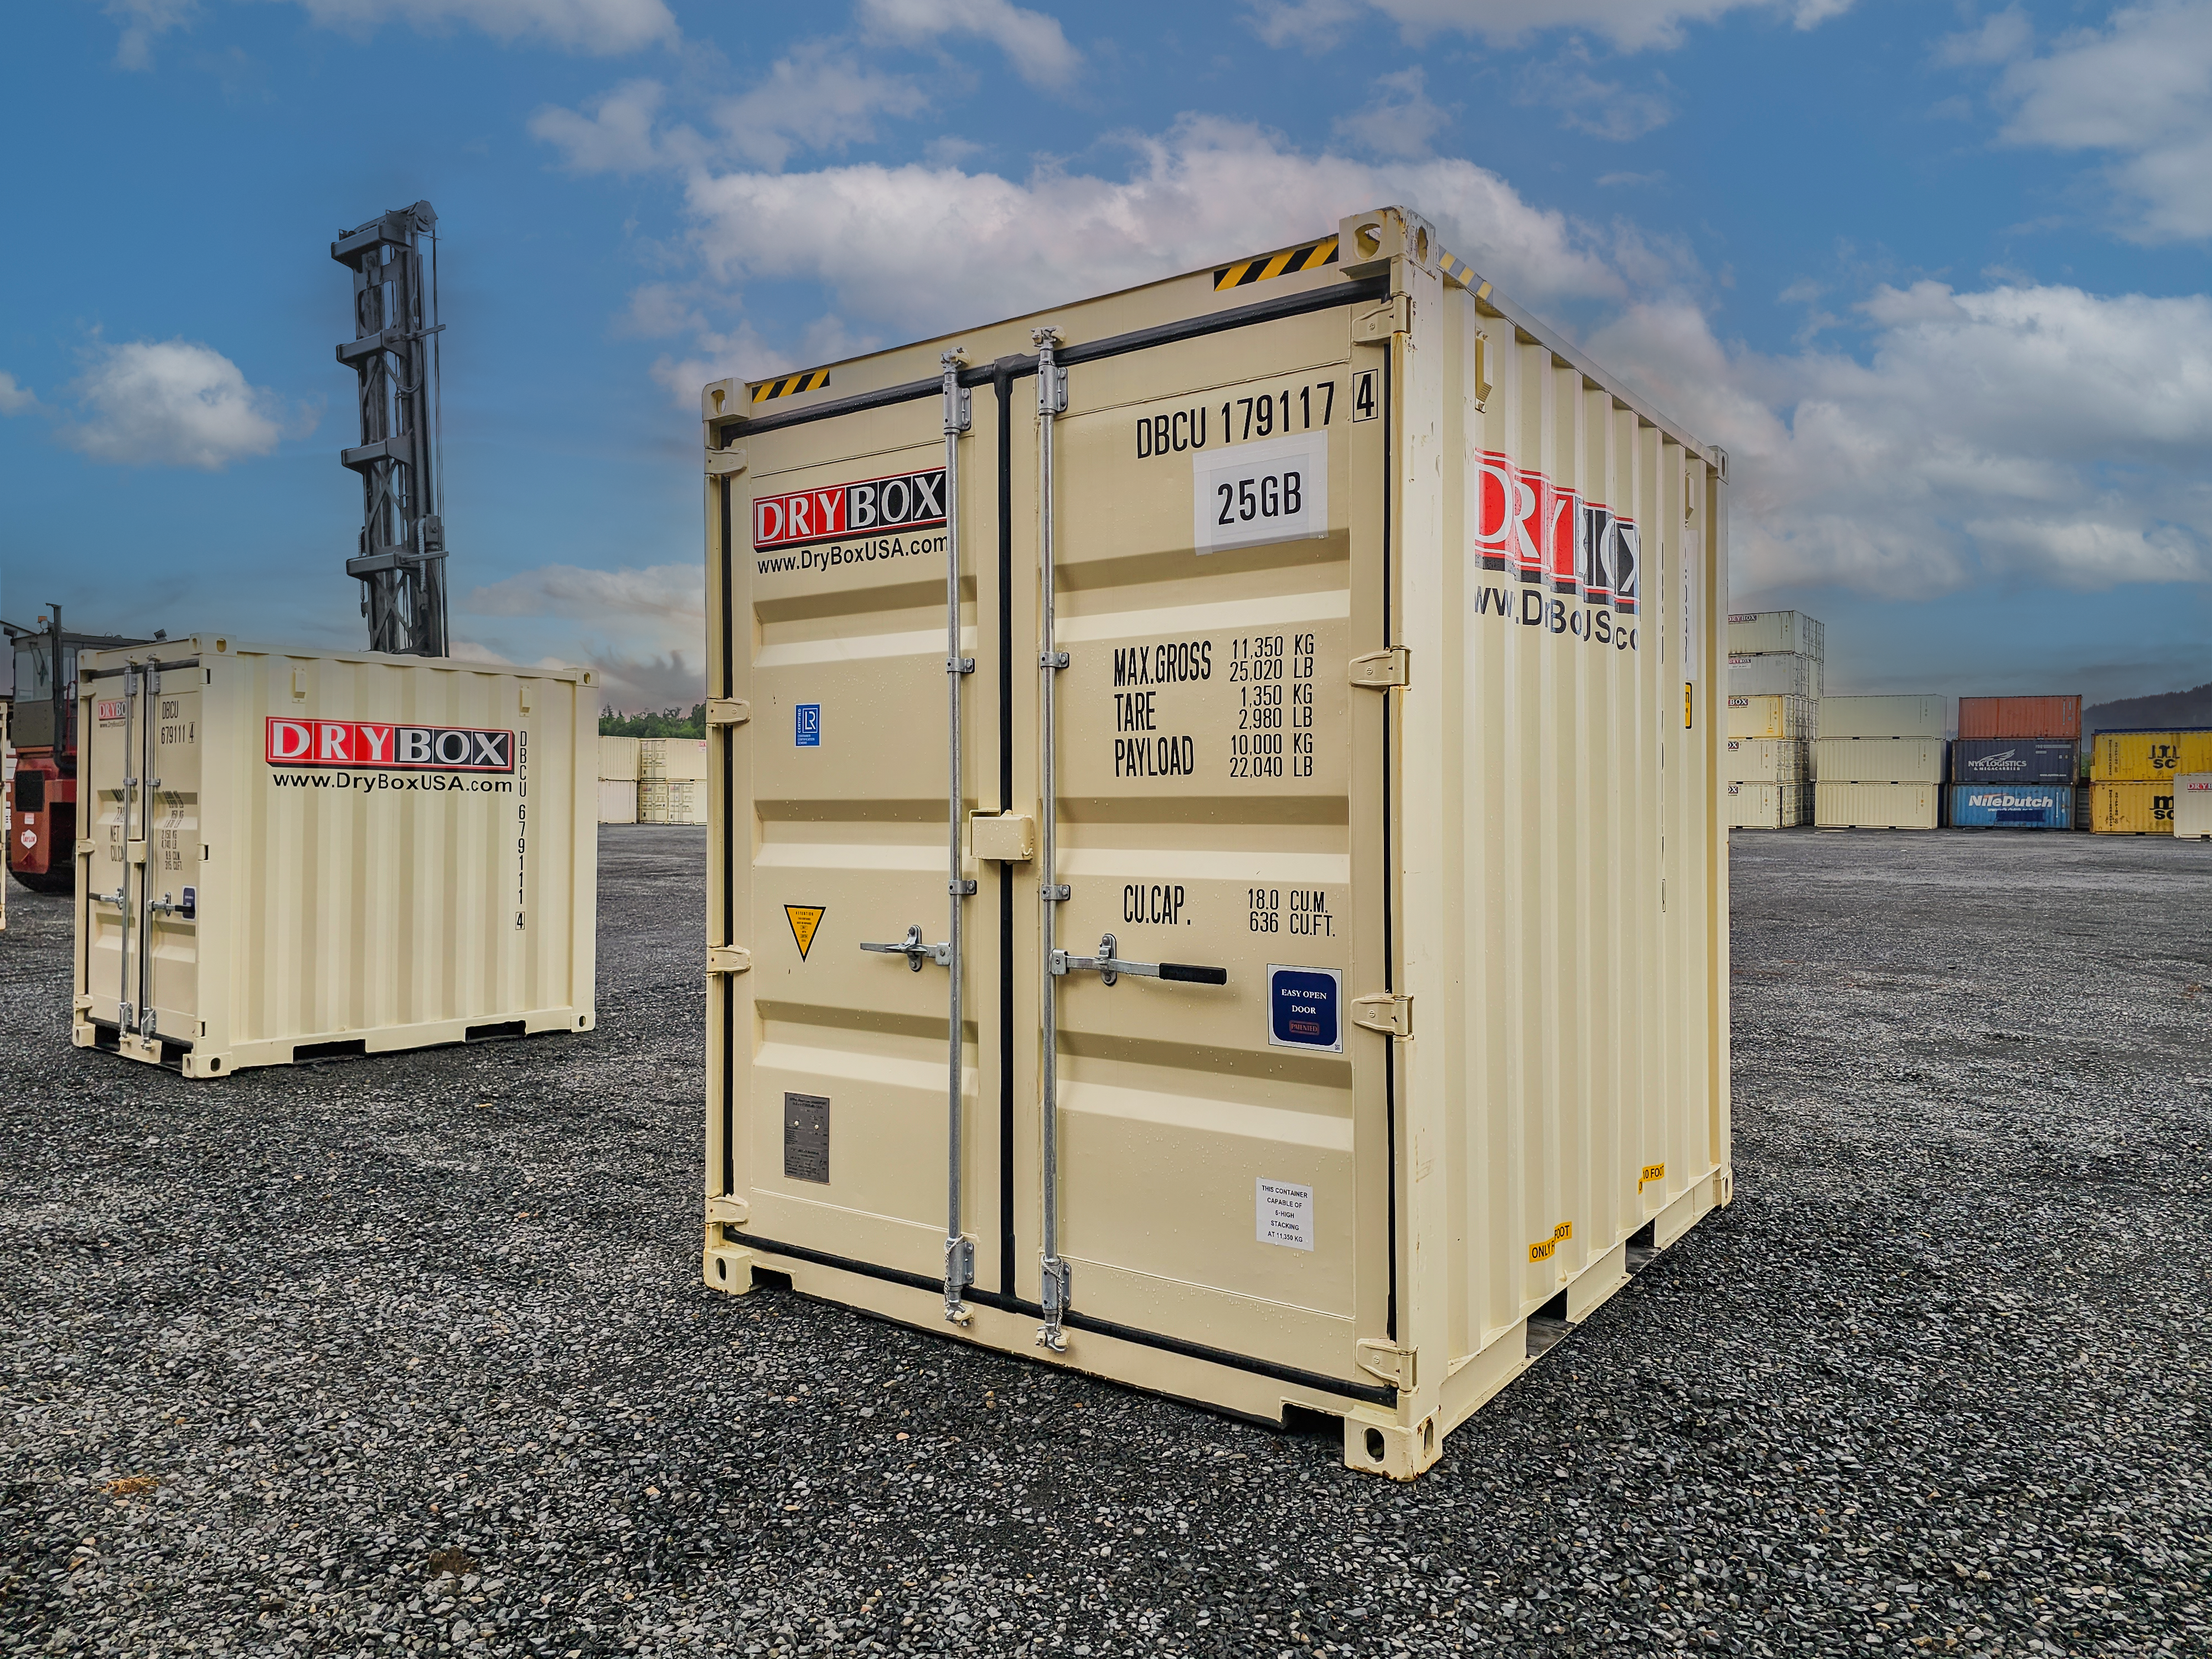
42	834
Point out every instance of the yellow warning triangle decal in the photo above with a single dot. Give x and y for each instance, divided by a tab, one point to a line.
803	919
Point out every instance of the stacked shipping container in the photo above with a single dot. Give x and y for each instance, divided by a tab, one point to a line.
671	781
1878	762
1774	674
2014	763
2131	778
618	779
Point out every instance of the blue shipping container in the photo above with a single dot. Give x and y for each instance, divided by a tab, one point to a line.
2012	806
2012	760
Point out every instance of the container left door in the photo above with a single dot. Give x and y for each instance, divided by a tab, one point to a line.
842	1136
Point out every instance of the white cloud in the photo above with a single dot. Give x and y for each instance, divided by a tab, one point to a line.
2139	89
2019	432
820	97
977	246
15	399
1997	38
1032	41
145	21
1401	122
741	354
1629	25
616	137
173	403
644	630
602	27
1603	109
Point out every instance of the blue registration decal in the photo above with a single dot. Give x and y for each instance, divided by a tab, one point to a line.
806	731
1303	1006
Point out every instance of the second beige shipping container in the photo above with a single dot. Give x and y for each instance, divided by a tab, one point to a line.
1878	760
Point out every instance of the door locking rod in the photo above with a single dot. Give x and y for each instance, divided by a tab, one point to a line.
1110	967
914	951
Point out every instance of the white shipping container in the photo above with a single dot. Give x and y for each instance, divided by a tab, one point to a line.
1769	716
671	800
1769	805
1755	632
1332	978
1785	673
1878	760
288	855
1881	717
1763	760
1877	806
617	800
2193	805
618	757
659	758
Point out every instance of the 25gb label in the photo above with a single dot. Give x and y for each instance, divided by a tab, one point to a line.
1258	492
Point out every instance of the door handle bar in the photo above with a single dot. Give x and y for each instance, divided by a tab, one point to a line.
1110	967
914	951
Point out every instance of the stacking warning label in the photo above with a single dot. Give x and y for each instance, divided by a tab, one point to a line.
804	920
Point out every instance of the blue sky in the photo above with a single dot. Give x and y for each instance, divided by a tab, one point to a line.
1934	273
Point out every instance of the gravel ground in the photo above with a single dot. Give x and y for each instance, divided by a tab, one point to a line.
410	1355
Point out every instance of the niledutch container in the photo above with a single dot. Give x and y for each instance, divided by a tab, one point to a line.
1769	716
1757	632
1878	760
1781	675
2012	807
1763	760
1877	806
2149	757
1332	789
2131	808
1880	717
2192	807
2019	717
292	855
1768	805
2014	760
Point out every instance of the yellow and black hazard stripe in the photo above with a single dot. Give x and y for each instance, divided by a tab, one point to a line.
812	381
1312	256
1458	270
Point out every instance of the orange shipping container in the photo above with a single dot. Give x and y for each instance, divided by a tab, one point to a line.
2019	717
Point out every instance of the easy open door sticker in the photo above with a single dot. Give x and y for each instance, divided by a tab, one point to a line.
804	920
1283	1214
1304	1008
1253	493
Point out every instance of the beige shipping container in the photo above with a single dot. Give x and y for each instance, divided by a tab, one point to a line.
1769	805
1848	806
617	800
1335	789
1763	760
2192	807
1783	674
288	855
1752	633
1769	716
671	800
1881	717
1878	760
671	758
618	758
2131	808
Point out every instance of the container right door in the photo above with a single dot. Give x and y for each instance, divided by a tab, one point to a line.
1218	539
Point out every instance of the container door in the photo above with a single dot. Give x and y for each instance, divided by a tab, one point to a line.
113	889
1212	1163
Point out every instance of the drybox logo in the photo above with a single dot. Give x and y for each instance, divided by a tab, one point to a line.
366	745
110	710
909	500
1548	533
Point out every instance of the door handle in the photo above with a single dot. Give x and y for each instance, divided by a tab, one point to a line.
914	951
1110	967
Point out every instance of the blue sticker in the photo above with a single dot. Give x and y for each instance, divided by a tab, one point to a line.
1303	1008
807	731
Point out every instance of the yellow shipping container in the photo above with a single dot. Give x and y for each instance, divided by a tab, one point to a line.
2131	808
1330	1004
288	855
2149	757
1769	715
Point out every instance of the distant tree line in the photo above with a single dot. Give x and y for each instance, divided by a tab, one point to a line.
668	723
2162	710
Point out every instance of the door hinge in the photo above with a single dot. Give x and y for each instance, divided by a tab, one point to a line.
727	1208
728	711
1393	1365
721	463
728	959
1392	1015
1393	316
1378	670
